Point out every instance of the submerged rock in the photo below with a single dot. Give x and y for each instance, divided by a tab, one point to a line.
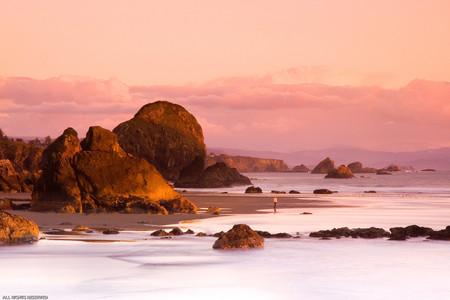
17	229
240	236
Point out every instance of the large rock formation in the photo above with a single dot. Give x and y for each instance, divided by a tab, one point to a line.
167	136
101	177
215	176
340	172
10	180
16	229
356	167
240	236
323	167
301	169
248	164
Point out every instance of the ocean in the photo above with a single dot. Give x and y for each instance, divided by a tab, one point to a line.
139	266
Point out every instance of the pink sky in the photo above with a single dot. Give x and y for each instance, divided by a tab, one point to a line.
269	75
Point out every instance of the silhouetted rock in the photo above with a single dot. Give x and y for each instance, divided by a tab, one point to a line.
167	136
240	236
341	172
247	164
411	231
266	234
383	172
443	235
294	192
253	190
428	170
277	192
16	229
322	191
370	192
159	232
301	169
216	176
356	167
367	233
176	231
323	167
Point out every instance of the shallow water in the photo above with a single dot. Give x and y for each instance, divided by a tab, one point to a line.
187	267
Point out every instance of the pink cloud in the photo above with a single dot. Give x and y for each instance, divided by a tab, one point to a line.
250	112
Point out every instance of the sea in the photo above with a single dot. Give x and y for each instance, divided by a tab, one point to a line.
134	265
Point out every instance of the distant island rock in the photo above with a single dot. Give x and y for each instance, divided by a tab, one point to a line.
253	190
167	136
248	164
356	167
341	172
301	169
392	168
101	177
323	167
240	236
428	170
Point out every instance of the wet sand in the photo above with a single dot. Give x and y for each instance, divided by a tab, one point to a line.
229	203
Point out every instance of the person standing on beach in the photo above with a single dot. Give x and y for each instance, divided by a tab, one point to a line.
275	200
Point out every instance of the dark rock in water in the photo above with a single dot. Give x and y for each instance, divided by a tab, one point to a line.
252	189
301	169
410	231
110	231
159	232
383	172
240	236
189	231
214	210
356	167
218	234
392	168
306	213
266	234
17	229
176	231
367	233
201	234
323	167
167	136
101	177
294	192
340	172
322	191
370	192
216	176
278	192
428	170
443	235
335	232
370	233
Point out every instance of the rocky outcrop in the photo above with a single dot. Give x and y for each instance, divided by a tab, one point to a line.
323	191
268	235
10	180
23	156
366	233
167	136
253	190
101	177
443	235
301	169
16	229
383	172
248	164
356	167
215	176
340	173
214	210
240	236
323	167
402	233
392	168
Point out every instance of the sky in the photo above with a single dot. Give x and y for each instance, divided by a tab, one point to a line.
257	75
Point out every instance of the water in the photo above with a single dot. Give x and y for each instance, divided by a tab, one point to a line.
186	267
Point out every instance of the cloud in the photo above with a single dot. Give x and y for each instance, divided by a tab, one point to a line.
241	112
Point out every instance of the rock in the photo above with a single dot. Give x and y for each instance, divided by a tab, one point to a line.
101	177
189	231
167	136
428	170
266	234
366	233
443	235
335	232
383	172
214	210
247	164
6	205
323	167
81	228
370	233
201	234
159	232
392	168
370	192
240	236
217	176
110	231
176	231
340	172
253	190
322	191
306	213
356	167
218	234
277	192
301	169
16	229
10	181
294	192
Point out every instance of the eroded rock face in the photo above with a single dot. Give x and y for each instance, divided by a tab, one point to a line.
240	236
340	172
10	181
167	136
323	167
16	229
102	177
248	164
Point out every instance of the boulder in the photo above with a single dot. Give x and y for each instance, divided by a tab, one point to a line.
409	231
294	192
217	176
322	191
167	136
159	232
176	231
16	229
240	236
266	234
253	190
383	172
356	167
214	210
323	167
443	235
392	168
341	172
101	177
301	169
